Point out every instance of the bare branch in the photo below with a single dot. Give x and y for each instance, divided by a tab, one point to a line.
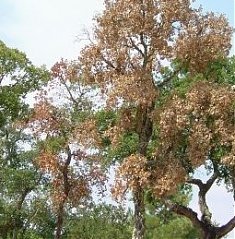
211	180
109	63
136	47
69	91
203	189
225	229
195	181
204	186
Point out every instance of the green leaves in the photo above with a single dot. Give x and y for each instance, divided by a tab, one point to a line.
18	77
19	175
101	222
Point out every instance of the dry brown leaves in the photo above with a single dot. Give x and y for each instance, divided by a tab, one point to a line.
203	120
130	175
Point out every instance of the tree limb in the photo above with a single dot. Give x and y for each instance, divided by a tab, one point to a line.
225	229
136	47
186	212
69	91
203	189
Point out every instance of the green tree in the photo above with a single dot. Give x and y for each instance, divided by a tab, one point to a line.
19	175
101	222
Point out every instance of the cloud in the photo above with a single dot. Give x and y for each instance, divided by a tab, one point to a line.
47	30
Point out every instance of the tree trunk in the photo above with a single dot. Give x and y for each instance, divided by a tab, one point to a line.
144	128
139	211
59	222
210	234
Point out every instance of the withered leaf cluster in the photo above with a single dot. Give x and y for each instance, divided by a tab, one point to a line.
134	39
193	128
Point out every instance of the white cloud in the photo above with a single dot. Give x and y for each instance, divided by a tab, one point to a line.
46	30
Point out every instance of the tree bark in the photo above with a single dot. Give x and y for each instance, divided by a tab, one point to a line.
59	222
144	128
66	190
210	235
139	211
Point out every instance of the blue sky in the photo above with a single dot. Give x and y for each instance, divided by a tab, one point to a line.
46	30
226	7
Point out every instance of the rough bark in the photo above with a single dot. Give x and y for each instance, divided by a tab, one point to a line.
144	128
139	211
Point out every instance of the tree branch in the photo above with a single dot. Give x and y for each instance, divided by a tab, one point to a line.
69	91
136	47
109	63
203	189
186	212
65	172
195	181
225	229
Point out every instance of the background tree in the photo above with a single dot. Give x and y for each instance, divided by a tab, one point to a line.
101	221
67	155
19	175
162	222
132	42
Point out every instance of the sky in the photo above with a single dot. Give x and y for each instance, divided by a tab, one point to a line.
47	30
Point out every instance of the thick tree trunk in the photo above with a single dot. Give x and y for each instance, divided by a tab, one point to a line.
144	128
210	233
139	211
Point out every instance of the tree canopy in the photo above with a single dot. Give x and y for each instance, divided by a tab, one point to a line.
151	96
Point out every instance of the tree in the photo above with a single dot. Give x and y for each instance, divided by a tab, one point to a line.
65	152
133	40
176	227
163	223
19	175
196	128
100	221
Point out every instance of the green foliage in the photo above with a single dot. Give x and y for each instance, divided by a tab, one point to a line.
105	119
176	227
162	223
42	220
128	145
54	144
101	222
18	77
19	176
222	71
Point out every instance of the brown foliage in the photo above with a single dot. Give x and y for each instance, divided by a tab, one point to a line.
133	37
194	127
